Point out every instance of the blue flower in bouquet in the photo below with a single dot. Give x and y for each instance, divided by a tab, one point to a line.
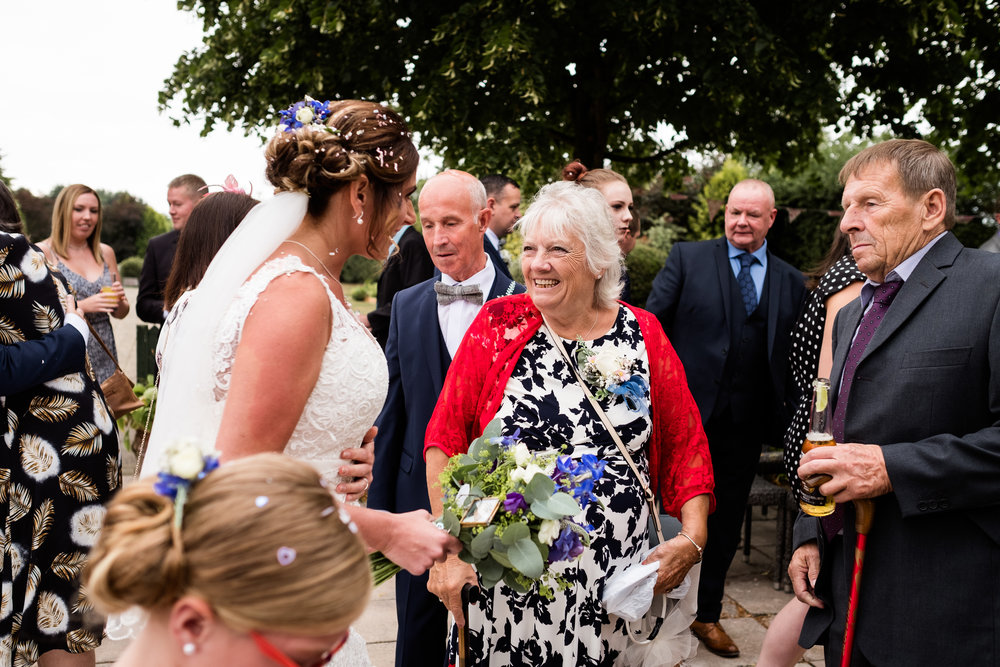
541	495
567	546
506	441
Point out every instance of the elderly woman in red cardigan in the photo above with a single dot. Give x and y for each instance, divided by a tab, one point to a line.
509	368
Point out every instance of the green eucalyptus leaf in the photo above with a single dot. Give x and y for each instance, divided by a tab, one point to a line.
451	523
500	556
490	572
526	558
483	542
494	429
540	508
510	578
564	503
540	487
514	532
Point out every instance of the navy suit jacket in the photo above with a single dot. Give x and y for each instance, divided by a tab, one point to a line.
29	363
927	389
418	362
155	271
495	257
691	297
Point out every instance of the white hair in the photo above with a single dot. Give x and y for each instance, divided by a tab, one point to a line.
565	208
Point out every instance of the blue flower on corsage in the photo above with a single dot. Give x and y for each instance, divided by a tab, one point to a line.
186	463
609	373
306	112
634	392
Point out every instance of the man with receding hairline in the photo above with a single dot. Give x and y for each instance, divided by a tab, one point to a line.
915	398
728	306
428	323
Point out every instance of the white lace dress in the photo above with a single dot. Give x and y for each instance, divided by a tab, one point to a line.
348	395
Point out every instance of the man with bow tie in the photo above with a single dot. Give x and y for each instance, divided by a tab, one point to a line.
428	322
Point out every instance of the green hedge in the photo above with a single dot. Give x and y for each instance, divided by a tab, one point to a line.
643	263
130	267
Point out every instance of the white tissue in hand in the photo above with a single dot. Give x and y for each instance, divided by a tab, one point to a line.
629	592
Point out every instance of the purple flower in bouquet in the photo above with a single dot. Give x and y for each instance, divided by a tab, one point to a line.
514	502
567	546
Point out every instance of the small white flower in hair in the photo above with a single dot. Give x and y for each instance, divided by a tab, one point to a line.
328	511
305	115
286	555
261	501
346	519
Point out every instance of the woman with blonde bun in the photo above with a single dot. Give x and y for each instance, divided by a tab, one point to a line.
264	569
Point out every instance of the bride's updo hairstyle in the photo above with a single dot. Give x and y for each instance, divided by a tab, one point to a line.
590	178
357	138
262	542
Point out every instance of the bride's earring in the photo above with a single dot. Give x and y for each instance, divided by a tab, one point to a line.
189	649
361	218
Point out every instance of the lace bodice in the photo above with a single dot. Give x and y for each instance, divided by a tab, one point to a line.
352	382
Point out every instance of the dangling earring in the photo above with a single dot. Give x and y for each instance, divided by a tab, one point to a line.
361	218
189	649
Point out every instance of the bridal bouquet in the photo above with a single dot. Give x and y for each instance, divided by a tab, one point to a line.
514	510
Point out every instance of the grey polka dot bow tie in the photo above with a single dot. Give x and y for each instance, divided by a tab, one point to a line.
449	293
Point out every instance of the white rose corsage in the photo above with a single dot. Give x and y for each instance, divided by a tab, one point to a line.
609	373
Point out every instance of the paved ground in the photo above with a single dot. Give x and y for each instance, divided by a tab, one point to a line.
750	604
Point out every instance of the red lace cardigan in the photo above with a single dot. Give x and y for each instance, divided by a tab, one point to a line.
679	461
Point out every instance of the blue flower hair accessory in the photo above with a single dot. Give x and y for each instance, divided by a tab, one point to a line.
306	112
186	463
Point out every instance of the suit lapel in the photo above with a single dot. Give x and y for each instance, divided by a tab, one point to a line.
723	269
774	288
502	286
921	284
847	323
434	351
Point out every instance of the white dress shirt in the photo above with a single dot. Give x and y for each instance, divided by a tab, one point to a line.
455	318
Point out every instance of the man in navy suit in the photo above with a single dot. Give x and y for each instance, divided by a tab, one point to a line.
427	324
503	198
728	306
182	194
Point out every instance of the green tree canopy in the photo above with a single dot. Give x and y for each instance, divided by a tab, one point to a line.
522	86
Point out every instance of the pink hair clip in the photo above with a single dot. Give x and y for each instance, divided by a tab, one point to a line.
230	185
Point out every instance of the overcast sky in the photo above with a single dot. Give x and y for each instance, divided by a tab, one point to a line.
80	83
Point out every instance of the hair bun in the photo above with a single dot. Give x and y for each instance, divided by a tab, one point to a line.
574	171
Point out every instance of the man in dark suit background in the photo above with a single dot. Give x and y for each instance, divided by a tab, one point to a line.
182	194
916	380
428	322
503	198
409	264
728	306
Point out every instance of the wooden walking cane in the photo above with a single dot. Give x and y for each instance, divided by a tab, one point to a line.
864	510
463	632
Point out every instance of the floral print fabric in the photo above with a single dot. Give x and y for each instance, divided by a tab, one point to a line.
62	463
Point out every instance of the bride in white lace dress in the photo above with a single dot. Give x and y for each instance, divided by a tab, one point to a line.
289	368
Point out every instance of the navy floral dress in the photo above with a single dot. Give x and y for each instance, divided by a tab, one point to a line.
61	465
544	400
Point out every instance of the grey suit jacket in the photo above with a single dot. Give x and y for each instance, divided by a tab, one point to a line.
928	391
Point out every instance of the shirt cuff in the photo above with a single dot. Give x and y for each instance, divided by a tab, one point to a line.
79	324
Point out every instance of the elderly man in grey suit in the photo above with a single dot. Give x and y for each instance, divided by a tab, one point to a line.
916	377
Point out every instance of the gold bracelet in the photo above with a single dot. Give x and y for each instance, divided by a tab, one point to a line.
691	540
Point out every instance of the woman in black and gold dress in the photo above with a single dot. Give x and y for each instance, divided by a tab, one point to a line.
62	463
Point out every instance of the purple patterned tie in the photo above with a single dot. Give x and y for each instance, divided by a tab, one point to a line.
747	288
884	294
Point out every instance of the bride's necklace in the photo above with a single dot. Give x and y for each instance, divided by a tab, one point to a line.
346	303
318	260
